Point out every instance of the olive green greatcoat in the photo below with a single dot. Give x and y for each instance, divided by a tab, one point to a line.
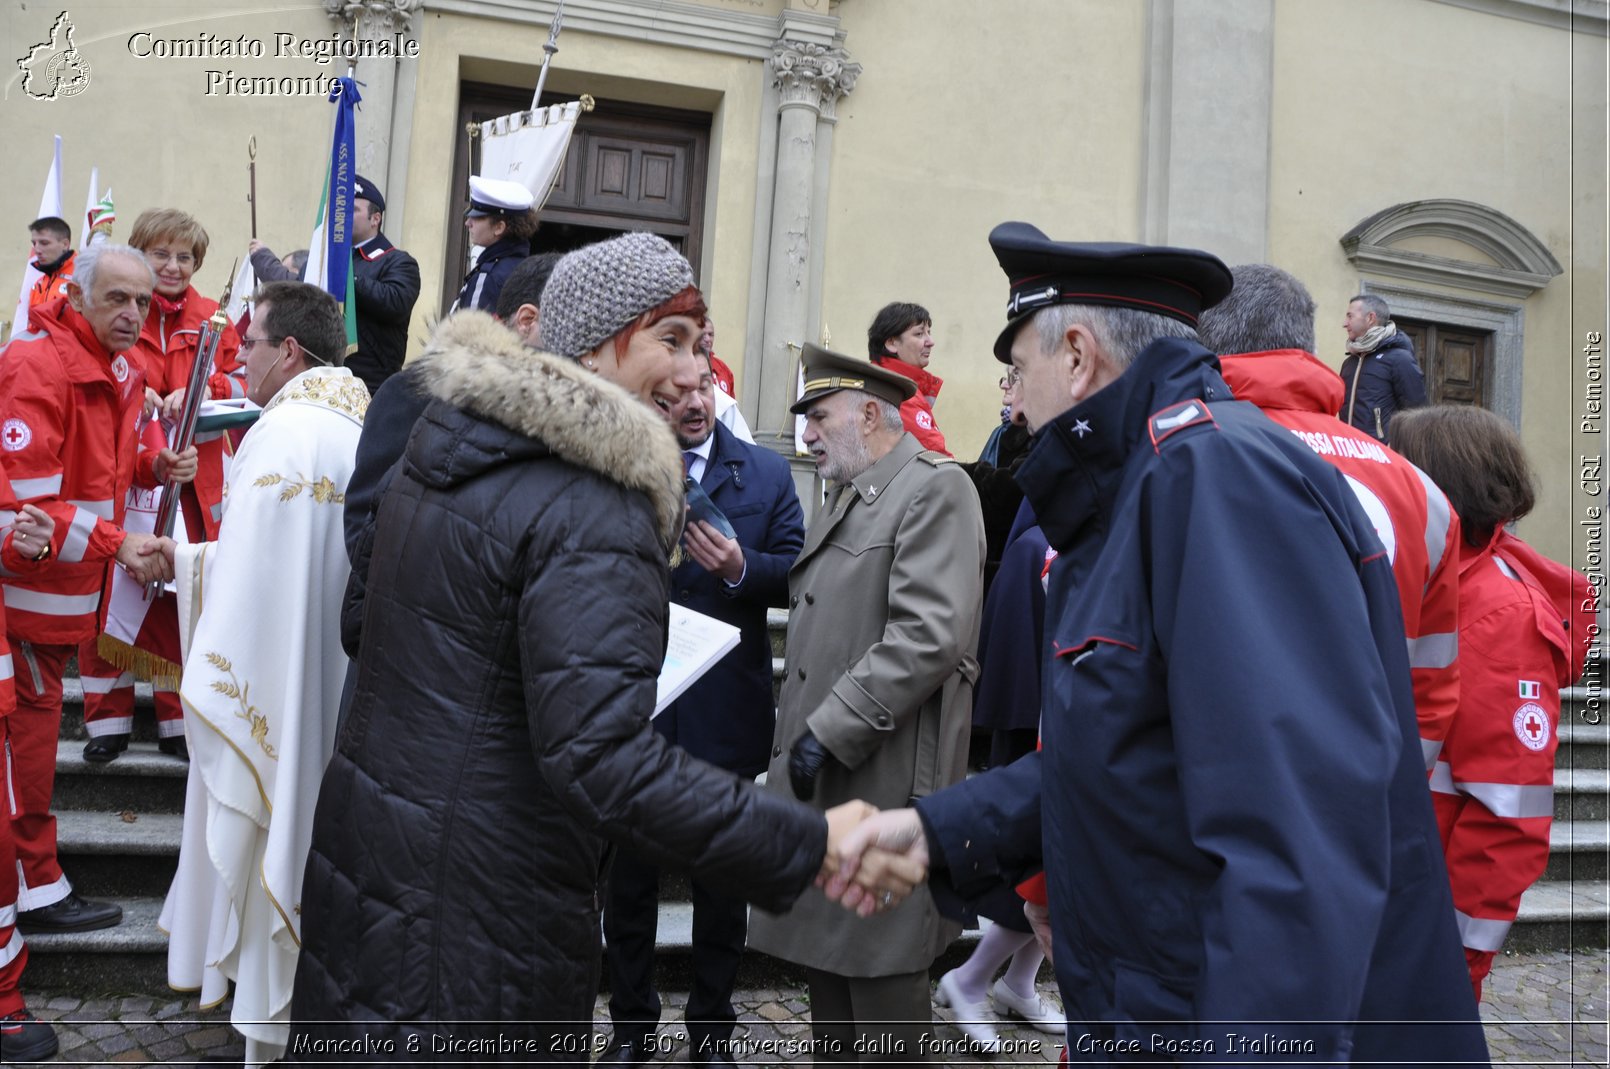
882	632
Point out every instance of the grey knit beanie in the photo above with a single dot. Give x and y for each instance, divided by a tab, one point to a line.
598	289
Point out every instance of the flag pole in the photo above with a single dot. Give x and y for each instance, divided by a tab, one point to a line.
251	169
549	47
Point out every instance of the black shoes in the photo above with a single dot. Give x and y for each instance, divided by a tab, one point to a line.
71	914
104	748
25	1038
626	1054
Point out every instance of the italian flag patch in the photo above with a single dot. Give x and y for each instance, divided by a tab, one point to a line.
1530	689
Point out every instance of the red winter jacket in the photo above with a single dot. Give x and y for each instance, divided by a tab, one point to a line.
12	563
167	351
51	284
917	413
1411	516
68	409
1523	634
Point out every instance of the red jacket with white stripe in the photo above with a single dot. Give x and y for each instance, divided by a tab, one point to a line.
167	351
67	432
11	563
1494	785
1411	516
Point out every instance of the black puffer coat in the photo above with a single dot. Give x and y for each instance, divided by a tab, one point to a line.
498	737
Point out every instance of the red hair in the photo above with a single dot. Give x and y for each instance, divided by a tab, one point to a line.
690	303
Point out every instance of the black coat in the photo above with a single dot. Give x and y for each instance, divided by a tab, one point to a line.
385	285
1389	380
492	269
393	411
498	738
727	716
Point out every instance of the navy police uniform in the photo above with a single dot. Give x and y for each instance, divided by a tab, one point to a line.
499	200
1230	802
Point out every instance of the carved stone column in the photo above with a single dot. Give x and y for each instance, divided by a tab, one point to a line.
375	20
809	79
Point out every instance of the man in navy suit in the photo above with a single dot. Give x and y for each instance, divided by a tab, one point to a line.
726	718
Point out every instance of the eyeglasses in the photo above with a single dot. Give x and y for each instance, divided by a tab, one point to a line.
1013	377
162	257
248	343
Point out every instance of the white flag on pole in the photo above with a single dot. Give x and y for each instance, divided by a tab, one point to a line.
49	204
240	295
529	146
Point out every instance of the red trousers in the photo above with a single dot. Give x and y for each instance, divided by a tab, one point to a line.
13	953
109	691
32	732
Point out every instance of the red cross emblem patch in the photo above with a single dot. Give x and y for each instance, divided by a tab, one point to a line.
1532	726
15	435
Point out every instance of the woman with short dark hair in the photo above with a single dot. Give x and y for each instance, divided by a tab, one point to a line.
901	339
1524	632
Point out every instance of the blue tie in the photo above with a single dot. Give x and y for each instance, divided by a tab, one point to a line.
688	457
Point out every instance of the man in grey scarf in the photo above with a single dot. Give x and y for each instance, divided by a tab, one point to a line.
1381	372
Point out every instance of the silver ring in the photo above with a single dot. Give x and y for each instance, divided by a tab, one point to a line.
888	897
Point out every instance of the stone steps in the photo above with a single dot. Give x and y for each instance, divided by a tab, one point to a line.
119	826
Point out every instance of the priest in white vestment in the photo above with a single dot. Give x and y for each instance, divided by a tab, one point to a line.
259	612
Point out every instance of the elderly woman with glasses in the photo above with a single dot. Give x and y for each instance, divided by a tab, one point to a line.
174	245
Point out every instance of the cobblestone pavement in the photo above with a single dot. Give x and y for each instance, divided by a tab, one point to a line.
1544	1009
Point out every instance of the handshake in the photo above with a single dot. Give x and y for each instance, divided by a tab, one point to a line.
874	859
147	558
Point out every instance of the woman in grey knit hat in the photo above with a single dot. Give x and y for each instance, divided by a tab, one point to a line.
498	736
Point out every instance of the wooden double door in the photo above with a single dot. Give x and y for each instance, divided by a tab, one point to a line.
1457	361
629	167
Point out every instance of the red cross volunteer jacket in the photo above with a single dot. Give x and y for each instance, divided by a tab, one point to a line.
166	351
1411	516
1524	631
67	434
917	413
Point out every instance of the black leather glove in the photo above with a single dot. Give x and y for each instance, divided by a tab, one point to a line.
805	762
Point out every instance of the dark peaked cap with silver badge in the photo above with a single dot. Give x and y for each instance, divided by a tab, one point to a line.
828	372
1177	283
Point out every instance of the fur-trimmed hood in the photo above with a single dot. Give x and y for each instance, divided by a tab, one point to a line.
474	363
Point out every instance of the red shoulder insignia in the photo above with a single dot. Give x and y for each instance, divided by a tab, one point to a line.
1174	418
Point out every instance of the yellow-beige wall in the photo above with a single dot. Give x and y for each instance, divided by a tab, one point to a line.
965	115
157	136
959	122
1485	116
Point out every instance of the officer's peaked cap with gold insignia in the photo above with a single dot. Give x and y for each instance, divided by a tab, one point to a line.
1178	283
827	372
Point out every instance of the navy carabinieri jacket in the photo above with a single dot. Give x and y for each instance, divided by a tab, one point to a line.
1231	801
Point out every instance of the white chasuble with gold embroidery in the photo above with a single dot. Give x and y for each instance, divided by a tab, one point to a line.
259	615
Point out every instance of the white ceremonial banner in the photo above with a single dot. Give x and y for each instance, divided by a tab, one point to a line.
49	204
529	147
694	642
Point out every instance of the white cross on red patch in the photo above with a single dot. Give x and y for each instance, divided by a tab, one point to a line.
1531	724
